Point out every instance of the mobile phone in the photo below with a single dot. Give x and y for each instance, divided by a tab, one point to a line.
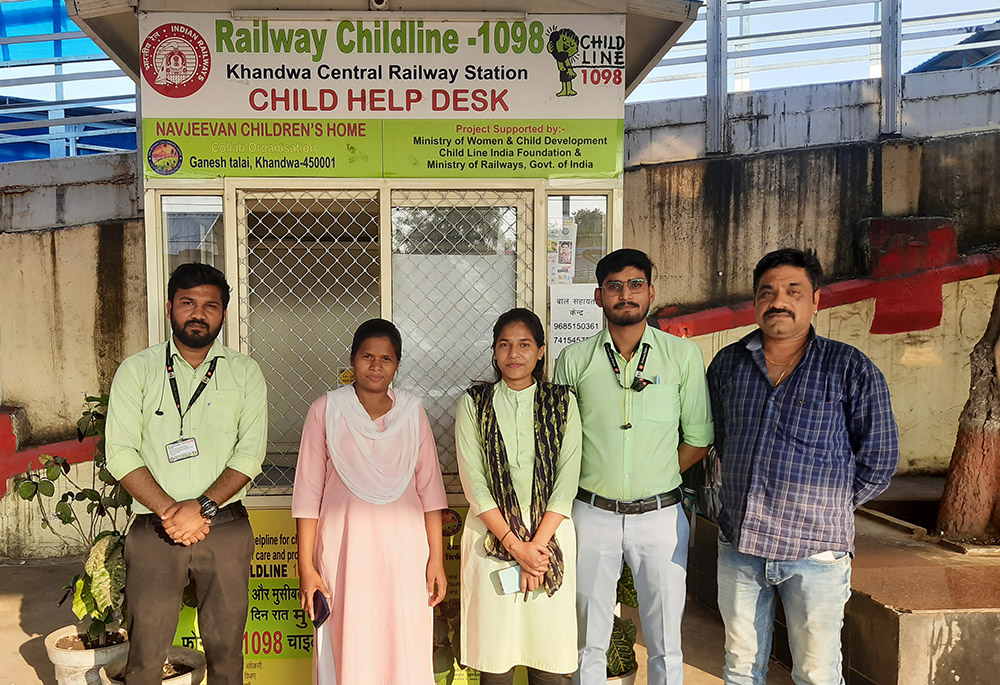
509	579
321	609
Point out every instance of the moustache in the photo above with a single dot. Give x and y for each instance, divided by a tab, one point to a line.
774	310
622	305
196	321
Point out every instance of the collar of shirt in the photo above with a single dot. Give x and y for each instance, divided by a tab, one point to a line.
754	342
647	338
216	350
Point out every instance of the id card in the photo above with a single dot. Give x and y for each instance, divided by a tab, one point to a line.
182	449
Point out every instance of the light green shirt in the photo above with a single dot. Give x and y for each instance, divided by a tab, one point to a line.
516	417
229	420
641	461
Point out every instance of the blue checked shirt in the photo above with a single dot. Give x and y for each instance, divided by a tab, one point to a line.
798	459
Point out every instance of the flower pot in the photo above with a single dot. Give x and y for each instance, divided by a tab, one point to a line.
80	666
112	673
624	679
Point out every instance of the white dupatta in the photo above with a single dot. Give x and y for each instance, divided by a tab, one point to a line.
376	473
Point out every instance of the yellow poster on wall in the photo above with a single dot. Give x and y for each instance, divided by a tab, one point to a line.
278	640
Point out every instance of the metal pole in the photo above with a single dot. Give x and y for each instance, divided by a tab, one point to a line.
716	96
892	68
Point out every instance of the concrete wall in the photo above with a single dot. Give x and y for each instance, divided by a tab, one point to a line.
806	167
73	285
934	104
705	222
72	306
53	193
23	536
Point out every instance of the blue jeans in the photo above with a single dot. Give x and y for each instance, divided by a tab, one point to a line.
813	593
654	545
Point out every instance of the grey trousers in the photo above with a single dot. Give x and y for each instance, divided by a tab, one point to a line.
158	570
535	677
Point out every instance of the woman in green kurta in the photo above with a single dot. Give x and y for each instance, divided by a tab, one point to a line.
519	458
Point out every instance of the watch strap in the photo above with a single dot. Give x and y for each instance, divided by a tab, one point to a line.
209	507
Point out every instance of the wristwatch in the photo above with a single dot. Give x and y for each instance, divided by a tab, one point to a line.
208	507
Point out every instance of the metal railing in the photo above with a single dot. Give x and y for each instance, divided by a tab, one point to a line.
40	118
749	43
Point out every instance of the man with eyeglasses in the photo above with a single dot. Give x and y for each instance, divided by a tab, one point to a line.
640	391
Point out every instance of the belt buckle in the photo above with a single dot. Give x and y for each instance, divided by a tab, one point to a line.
617	510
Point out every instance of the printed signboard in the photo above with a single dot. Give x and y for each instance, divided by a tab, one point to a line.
541	97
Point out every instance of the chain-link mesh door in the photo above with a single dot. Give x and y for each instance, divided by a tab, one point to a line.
309	262
459	260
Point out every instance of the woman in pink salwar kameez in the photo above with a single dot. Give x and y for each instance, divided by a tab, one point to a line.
367	502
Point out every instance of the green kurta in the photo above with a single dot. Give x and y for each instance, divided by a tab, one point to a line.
502	631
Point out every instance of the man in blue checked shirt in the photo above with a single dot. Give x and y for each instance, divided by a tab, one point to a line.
805	434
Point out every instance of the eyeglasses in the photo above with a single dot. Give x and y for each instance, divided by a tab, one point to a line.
635	285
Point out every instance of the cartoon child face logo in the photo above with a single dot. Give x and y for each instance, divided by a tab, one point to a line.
563	44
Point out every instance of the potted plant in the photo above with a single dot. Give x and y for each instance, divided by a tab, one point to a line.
92	513
622	664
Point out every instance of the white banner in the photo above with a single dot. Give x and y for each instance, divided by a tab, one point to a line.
542	67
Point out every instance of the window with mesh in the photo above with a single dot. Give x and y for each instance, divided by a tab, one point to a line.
309	274
459	260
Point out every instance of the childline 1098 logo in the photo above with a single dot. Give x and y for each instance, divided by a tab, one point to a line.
164	157
175	60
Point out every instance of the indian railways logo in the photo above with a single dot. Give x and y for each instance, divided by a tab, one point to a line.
175	60
164	157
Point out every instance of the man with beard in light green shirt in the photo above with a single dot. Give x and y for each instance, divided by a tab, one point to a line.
186	433
646	417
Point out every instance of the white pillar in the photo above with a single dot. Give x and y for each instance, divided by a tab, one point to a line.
892	77
716	100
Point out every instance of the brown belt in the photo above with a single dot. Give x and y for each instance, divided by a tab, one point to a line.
635	506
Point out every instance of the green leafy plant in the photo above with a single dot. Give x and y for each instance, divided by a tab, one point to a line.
621	650
98	592
447	627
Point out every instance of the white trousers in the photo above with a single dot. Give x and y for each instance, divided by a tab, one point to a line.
654	545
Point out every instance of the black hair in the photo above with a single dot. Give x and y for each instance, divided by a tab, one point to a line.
534	324
614	262
554	38
377	328
789	256
193	274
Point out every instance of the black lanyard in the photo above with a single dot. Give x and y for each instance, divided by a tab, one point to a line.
197	393
638	383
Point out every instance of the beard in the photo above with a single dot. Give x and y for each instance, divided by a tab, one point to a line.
626	315
193	336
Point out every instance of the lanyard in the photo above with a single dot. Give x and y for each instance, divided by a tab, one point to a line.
197	393
638	382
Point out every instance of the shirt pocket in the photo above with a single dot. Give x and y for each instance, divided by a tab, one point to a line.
812	426
222	410
660	403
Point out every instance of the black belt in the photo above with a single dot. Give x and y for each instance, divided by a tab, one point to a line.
232	512
635	506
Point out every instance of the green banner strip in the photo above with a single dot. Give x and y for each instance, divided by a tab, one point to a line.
206	148
422	148
520	148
